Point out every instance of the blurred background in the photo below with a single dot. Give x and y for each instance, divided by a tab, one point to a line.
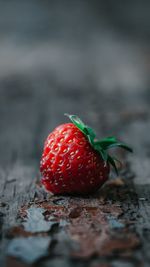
86	57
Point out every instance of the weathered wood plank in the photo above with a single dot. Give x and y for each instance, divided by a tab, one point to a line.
18	186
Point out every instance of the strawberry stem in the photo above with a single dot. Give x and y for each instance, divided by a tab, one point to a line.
100	145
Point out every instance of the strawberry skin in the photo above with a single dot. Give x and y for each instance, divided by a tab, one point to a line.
72	162
69	163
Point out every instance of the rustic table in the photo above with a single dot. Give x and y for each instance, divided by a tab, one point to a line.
110	228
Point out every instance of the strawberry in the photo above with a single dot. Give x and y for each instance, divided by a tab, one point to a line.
74	161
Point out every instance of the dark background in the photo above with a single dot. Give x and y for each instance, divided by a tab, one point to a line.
55	52
90	58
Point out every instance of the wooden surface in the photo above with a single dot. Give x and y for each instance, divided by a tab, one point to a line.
104	78
24	126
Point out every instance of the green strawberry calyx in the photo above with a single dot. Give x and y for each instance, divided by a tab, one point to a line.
100	145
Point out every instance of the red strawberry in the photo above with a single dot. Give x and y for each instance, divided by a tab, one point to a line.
73	161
